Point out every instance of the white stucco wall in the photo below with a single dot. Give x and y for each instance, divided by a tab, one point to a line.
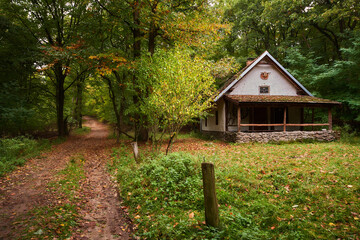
211	120
250	83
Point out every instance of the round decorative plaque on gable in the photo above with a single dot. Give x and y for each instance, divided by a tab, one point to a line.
264	75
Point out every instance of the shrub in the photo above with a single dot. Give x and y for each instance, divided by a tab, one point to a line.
15	151
164	196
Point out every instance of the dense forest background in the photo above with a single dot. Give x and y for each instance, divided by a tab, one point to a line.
67	58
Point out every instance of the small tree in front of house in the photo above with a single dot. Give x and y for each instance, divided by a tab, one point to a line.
176	89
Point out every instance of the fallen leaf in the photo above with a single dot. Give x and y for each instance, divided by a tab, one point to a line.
191	215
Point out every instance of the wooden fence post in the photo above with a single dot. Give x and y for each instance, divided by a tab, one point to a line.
211	204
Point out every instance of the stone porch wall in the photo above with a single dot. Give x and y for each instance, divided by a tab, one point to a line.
264	137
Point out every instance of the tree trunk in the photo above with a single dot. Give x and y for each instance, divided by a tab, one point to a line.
78	102
115	107
169	143
60	99
136	30
143	135
152	36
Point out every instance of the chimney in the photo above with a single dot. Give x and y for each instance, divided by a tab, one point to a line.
249	61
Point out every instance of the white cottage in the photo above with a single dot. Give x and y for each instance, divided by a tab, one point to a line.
265	98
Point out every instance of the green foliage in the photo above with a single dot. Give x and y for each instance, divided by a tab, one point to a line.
20	101
15	151
344	76
319	40
290	191
160	192
175	90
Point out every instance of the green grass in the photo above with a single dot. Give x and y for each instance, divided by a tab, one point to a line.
57	220
81	131
15	151
265	191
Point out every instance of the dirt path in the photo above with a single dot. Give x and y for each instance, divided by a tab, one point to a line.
26	188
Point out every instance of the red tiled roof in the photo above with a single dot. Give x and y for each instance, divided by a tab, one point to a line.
279	99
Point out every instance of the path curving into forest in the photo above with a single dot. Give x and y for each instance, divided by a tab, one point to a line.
101	216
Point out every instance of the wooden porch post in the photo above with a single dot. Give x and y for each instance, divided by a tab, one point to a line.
312	118
239	118
284	119
252	117
330	118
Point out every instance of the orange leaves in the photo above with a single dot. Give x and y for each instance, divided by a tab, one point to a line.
76	45
105	64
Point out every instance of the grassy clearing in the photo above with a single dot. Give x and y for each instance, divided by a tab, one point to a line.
57	221
15	151
81	131
271	191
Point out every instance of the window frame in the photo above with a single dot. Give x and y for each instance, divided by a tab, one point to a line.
266	86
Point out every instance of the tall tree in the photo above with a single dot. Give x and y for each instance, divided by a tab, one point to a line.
18	51
145	25
56	27
176	90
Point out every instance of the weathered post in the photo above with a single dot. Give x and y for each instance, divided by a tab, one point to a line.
211	204
136	151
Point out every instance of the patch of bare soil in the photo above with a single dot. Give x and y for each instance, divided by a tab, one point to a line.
26	188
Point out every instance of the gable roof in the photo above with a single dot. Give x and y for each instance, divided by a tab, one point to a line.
235	79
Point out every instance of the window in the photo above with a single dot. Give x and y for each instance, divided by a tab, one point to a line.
264	89
217	118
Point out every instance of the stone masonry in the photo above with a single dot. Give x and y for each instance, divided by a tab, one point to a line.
264	137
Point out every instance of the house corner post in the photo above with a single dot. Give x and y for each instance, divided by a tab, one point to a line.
226	120
239	118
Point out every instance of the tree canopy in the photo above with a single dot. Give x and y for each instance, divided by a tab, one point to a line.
75	57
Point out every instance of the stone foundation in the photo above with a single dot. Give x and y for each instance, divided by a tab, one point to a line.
264	137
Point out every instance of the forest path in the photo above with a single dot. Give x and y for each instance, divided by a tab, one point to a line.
101	216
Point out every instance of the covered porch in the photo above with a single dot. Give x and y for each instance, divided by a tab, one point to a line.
264	113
